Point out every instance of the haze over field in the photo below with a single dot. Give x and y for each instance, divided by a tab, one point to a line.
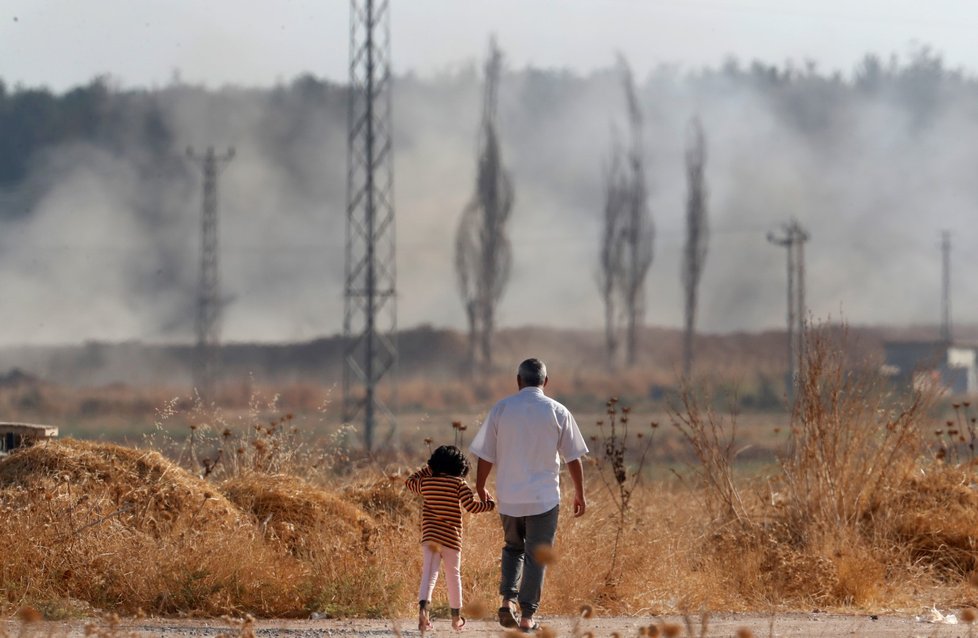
99	213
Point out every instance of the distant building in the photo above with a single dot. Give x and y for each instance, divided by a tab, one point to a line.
951	367
15	435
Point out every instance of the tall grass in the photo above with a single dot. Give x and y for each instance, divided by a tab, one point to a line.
830	525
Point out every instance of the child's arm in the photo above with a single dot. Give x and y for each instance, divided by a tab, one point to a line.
413	482
467	499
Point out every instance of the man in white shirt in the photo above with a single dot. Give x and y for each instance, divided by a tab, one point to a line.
524	436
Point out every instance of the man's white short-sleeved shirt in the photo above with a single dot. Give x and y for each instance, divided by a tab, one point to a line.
524	436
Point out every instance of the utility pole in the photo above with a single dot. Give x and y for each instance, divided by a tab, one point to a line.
946	287
207	320
793	238
370	310
801	236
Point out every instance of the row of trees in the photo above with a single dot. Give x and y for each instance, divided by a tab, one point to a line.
628	234
483	253
35	118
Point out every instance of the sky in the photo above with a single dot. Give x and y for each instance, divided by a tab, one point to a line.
145	43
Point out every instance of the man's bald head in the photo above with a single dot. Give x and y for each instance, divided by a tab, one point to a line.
532	373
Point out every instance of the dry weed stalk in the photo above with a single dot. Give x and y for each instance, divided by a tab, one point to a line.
619	479
714	445
459	429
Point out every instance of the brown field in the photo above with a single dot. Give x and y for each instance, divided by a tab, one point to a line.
742	369
852	503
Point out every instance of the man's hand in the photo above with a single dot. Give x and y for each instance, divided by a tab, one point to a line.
576	470
481	475
580	504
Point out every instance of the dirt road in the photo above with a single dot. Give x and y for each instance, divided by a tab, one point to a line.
821	625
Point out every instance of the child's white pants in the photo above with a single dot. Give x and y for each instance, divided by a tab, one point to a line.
429	573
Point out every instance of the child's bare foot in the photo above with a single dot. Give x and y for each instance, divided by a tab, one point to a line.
424	621
458	623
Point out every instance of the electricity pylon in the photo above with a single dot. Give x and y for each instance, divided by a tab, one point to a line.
370	308
207	323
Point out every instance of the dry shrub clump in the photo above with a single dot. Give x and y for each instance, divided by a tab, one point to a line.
304	518
934	516
102	525
384	498
140	488
335	540
857	509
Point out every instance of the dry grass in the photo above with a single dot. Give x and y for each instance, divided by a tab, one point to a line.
121	529
859	513
306	520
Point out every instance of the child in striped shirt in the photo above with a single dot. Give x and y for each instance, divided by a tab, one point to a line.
442	484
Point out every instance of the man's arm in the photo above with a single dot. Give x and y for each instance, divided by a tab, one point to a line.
576	469
481	476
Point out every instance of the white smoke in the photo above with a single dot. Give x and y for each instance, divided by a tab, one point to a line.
110	249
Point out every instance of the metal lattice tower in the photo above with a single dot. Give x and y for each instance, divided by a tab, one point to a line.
370	313
793	239
207	321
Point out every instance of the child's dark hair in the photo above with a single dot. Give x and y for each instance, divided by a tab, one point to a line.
448	460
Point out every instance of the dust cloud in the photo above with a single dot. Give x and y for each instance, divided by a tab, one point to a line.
100	241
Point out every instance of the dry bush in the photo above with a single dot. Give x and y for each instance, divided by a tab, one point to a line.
852	442
713	442
847	517
139	488
101	526
383	498
308	520
126	529
934	517
335	540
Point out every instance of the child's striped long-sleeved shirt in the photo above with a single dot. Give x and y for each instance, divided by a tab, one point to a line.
444	498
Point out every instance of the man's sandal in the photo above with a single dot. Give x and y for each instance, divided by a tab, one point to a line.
460	626
532	628
507	618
